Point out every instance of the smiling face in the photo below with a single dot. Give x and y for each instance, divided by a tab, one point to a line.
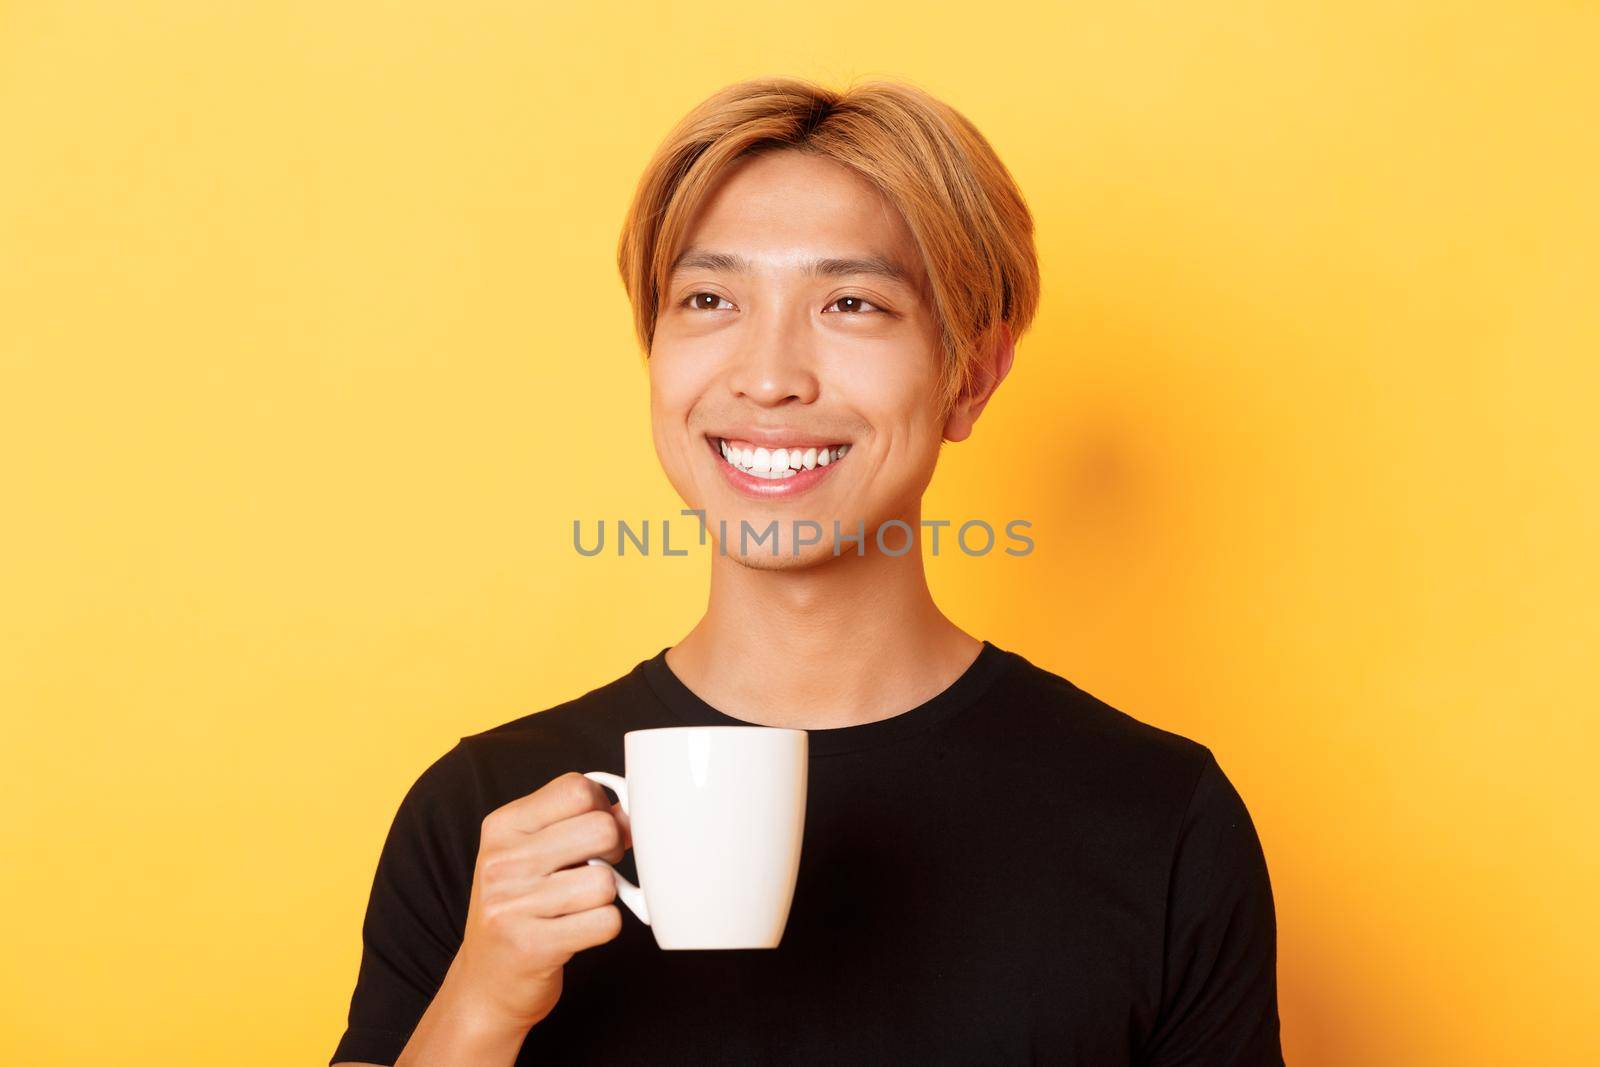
795	365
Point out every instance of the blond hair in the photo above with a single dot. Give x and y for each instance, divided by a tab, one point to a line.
962	206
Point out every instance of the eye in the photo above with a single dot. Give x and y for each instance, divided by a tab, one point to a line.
705	302
853	305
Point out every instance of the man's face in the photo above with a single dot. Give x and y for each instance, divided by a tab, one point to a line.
795	363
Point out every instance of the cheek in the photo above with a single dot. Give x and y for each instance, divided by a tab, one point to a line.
896	390
899	361
676	382
680	378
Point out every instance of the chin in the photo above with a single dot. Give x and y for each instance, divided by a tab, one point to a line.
761	562
762	558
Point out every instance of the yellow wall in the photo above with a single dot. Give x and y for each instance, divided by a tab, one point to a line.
313	349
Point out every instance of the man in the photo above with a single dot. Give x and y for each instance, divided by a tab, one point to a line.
997	867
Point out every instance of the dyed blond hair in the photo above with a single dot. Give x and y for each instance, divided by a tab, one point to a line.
961	204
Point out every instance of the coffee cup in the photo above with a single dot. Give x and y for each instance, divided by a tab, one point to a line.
717	814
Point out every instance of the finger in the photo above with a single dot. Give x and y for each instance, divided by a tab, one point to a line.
578	889
615	856
585	929
560	798
574	841
626	825
510	873
518	861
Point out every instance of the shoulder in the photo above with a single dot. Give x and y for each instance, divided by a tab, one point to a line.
492	767
1058	719
1152	797
592	717
1088	762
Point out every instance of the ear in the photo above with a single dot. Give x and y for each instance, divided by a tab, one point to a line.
994	363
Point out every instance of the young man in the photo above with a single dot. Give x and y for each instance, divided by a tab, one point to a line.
997	867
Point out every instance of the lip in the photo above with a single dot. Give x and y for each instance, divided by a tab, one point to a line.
801	481
773	437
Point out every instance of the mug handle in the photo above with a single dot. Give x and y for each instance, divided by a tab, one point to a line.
630	894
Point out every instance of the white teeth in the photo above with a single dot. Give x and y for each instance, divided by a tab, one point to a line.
781	462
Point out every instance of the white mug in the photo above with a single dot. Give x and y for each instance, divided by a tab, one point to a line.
717	814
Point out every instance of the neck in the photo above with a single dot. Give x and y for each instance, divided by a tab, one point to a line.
849	640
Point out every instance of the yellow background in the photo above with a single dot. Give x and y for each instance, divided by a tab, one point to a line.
313	349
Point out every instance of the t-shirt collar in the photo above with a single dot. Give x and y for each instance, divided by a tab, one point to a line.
688	707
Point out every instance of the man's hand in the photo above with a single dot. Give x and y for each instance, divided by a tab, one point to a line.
535	902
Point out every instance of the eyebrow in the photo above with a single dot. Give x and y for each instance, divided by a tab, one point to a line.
699	259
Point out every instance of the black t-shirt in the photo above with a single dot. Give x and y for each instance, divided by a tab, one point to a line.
1013	871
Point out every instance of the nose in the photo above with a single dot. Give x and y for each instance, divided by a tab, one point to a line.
776	362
